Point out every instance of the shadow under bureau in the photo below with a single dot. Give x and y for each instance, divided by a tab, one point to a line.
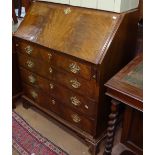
65	56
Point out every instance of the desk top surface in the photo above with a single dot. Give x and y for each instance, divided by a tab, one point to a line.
129	81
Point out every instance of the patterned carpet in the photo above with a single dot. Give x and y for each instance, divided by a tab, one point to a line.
27	141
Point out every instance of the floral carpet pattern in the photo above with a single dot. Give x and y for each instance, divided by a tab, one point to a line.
27	141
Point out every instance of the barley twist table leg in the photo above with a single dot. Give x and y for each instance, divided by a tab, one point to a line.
111	127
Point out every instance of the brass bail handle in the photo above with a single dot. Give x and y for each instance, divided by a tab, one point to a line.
34	94
76	118
30	63
75	101
74	68
28	49
75	84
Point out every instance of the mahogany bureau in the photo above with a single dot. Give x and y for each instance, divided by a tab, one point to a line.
65	56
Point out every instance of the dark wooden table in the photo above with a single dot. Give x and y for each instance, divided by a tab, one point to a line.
126	87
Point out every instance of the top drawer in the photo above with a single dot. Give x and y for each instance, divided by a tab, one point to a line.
56	60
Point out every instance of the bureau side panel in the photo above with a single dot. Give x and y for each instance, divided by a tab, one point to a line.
120	52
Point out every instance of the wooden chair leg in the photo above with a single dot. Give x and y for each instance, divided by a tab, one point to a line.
15	20
14	17
27	5
19	8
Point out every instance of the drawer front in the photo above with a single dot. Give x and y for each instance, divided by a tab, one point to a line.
34	51
34	65
57	60
35	80
79	121
62	94
40	98
75	101
72	66
53	105
79	85
88	88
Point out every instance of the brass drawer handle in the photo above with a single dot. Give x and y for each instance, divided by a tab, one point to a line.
50	70
53	102
28	49
34	94
76	118
75	101
30	64
75	83
74	68
31	79
51	85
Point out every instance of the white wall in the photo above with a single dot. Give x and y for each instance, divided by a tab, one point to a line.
109	5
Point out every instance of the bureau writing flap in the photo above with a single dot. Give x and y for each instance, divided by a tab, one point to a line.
79	32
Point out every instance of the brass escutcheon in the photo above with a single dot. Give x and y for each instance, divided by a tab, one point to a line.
49	56
67	11
50	70
86	106
51	85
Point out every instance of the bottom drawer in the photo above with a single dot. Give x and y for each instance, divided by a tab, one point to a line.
66	113
79	121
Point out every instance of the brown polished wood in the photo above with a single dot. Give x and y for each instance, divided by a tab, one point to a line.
111	127
68	57
14	17
71	81
126	87
56	59
141	9
16	81
65	95
23	3
127	153
132	133
83	33
26	4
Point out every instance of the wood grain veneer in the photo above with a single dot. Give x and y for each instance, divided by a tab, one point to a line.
77	52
